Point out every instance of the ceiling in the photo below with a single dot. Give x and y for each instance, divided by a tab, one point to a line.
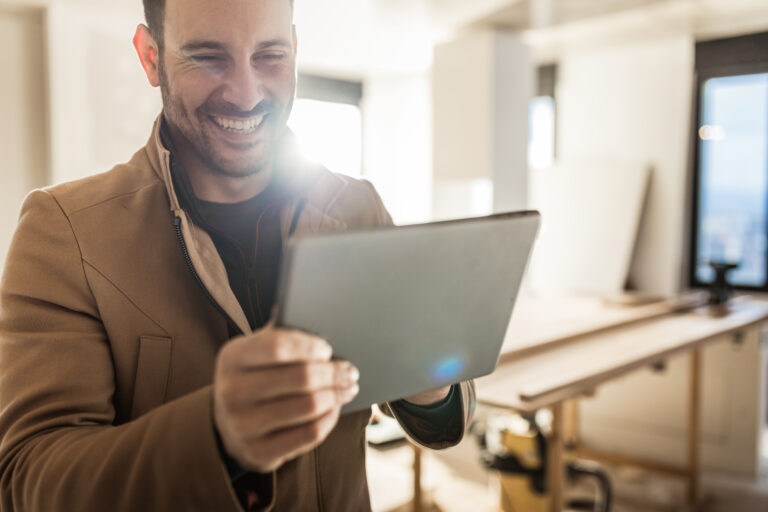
532	14
348	37
363	37
380	36
355	38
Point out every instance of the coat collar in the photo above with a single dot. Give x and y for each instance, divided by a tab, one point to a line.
319	187
310	183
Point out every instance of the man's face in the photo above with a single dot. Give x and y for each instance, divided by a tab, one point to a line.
228	79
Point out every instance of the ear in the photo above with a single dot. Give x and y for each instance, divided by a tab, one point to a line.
149	55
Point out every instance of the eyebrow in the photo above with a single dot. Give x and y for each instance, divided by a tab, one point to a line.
203	45
274	42
216	45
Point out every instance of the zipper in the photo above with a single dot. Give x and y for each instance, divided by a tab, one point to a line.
296	215
191	267
250	268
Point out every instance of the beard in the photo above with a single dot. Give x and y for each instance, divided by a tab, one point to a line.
197	130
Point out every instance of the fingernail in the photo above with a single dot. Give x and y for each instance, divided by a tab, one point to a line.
325	351
352	392
353	373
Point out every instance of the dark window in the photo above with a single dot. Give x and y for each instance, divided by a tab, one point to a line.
331	90
730	197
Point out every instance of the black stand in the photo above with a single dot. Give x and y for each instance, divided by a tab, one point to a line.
720	290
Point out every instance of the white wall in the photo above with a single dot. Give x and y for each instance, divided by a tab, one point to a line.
621	98
482	85
631	101
23	131
645	413
397	142
101	106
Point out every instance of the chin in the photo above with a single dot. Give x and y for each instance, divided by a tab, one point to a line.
243	161
239	169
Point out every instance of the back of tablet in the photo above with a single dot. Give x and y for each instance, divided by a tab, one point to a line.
413	307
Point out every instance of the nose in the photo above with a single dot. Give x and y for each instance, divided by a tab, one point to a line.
244	88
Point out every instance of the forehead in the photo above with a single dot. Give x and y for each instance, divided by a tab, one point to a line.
233	22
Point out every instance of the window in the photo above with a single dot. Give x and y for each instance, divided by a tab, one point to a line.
327	121
731	161
541	120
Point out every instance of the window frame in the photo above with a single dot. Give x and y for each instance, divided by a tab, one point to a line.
331	90
720	58
334	90
546	86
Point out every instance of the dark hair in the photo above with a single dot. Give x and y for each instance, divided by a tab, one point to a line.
154	12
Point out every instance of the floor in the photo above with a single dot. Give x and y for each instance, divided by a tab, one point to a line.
455	481
445	484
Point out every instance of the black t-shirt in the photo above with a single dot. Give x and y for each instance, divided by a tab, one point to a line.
248	239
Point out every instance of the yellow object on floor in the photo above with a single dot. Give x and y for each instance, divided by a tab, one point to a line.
517	495
518	492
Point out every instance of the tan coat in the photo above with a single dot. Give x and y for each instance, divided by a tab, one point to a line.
107	348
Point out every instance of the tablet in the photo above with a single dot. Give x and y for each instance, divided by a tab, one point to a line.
413	307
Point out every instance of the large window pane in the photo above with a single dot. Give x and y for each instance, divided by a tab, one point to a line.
541	132
330	133
733	165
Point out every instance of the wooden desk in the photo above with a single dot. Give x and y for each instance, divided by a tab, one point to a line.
528	379
544	322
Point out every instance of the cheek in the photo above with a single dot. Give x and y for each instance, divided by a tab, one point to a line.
193	89
279	78
283	85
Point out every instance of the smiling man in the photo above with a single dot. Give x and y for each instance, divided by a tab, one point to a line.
139	369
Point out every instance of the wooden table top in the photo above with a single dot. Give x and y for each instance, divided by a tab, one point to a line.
538	321
531	379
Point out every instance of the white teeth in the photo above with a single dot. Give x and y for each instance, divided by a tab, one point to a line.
239	125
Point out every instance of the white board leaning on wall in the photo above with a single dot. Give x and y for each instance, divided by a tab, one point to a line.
591	212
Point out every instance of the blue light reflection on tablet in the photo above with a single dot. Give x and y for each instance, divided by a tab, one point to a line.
447	370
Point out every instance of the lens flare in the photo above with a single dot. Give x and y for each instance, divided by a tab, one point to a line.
448	369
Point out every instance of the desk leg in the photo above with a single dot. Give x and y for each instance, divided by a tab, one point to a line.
694	415
571	423
555	462
418	499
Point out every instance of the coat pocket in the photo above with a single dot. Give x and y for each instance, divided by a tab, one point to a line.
152	374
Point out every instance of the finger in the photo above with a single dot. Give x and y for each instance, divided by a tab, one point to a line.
273	316
269	347
247	387
270	452
289	412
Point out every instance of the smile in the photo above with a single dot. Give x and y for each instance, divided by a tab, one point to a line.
239	125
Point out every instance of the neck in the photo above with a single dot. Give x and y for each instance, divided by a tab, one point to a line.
210	185
218	188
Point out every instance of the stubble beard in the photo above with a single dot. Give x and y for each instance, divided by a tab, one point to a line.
190	126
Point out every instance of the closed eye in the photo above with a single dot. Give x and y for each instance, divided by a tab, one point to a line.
206	58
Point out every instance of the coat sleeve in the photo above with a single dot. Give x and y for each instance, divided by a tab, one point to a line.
416	427
59	446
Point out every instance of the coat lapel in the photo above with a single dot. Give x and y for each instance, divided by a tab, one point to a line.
310	220
318	191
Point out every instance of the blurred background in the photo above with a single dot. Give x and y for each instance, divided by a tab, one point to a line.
639	128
